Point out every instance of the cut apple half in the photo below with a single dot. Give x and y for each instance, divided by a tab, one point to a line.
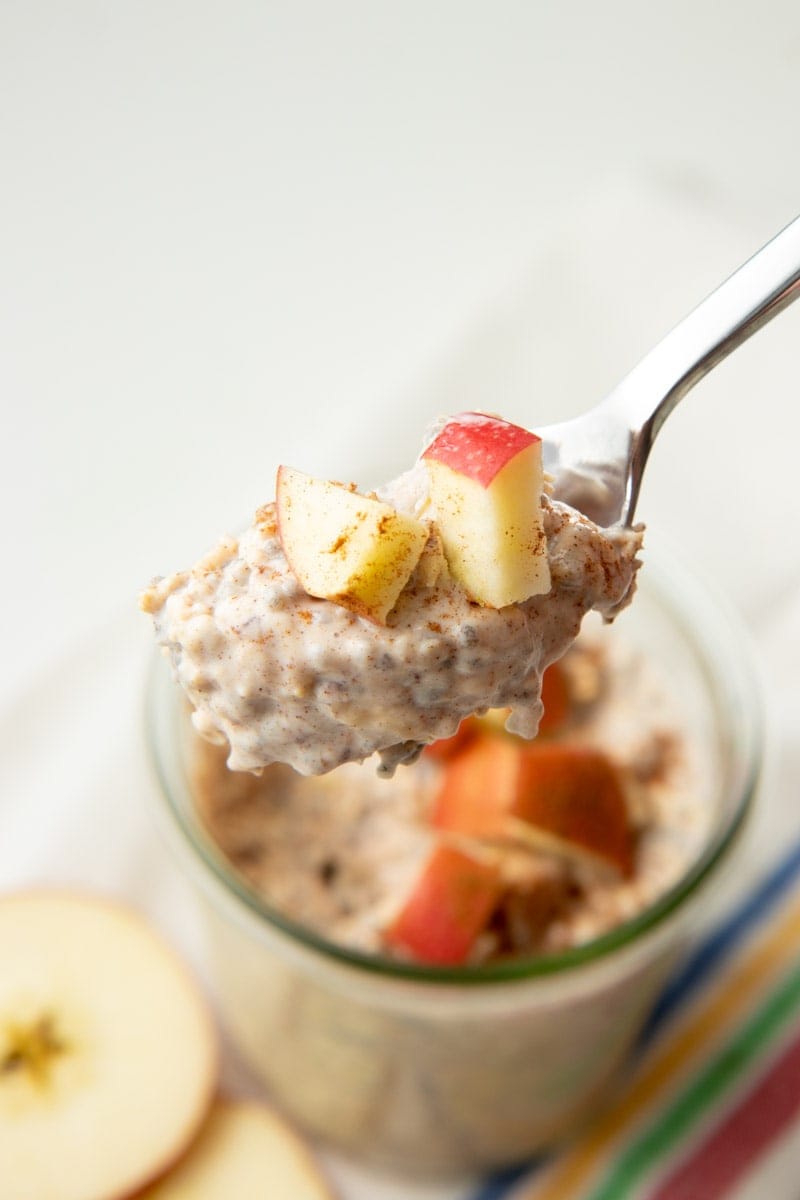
341	546
245	1151
108	1055
486	484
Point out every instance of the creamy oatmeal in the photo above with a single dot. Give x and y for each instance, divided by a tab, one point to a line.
341	627
278	676
341	853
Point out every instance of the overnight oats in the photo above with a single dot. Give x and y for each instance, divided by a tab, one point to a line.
487	846
340	624
434	936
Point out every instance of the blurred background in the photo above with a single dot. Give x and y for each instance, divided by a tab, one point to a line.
238	234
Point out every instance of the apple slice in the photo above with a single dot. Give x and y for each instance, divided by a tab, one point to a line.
449	906
570	798
556	701
108	1055
486	483
244	1150
351	549
479	787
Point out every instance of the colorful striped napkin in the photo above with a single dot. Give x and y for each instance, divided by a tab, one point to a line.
712	1107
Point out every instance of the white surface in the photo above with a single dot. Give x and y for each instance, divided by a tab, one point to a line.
233	235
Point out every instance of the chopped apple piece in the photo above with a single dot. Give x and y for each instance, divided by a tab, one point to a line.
556	795
570	798
486	483
108	1055
448	908
555	699
479	787
244	1150
351	549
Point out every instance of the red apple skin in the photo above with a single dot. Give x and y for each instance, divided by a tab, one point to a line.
478	445
448	908
556	700
575	794
449	747
479	787
571	793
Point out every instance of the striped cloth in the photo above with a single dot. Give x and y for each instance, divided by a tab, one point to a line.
712	1107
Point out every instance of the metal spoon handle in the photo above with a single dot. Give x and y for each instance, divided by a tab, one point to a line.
760	289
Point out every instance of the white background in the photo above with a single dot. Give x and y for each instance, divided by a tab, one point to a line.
237	234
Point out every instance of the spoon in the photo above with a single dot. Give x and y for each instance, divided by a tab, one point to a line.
597	460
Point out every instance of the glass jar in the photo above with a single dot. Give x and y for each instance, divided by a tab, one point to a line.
435	1072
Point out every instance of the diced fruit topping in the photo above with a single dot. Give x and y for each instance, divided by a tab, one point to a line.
542	809
351	549
555	699
574	795
559	795
486	483
478	788
479	445
450	905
